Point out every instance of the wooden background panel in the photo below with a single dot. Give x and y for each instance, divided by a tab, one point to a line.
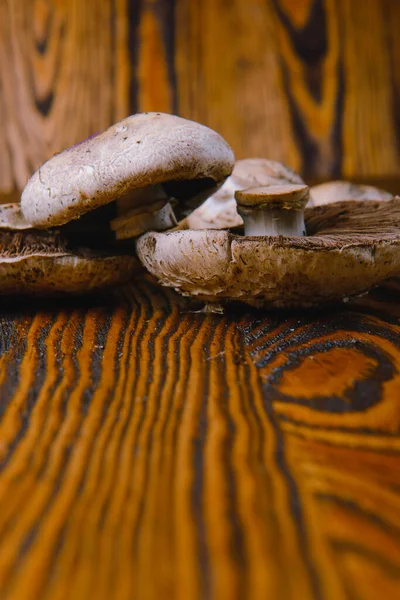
313	83
64	75
171	454
309	82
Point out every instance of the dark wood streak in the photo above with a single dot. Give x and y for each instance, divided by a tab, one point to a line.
110	397
357	548
310	152
391	24
108	401
364	431
348	504
45	102
237	539
255	458
33	392
54	387
305	329
198	479
14	347
174	340
310	43
134	9
32	535
165	12
336	135
192	329
144	404
361	396
295	501
156	333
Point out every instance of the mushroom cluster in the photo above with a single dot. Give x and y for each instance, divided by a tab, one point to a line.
272	250
81	210
164	193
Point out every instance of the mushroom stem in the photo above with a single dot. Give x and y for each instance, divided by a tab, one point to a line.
141	197
156	217
274	222
274	210
141	210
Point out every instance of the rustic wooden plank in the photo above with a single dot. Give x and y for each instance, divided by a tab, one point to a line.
229	75
370	118
63	76
167	453
294	81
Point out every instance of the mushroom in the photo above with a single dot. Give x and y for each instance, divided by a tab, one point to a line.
274	210
349	248
219	211
144	166
12	218
338	191
46	262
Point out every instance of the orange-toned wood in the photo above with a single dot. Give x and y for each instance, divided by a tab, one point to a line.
311	83
150	451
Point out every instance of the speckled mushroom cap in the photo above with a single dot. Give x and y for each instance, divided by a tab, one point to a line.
34	262
142	150
219	211
339	191
350	248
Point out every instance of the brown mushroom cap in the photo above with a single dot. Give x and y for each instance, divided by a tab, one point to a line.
339	191
219	211
35	262
142	150
285	196
350	248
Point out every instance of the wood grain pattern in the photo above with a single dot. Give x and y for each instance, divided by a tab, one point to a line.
313	83
149	451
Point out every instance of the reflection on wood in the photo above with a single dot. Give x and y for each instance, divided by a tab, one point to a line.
294	81
151	452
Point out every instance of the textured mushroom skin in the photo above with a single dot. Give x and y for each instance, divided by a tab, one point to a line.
36	263
336	262
144	149
48	275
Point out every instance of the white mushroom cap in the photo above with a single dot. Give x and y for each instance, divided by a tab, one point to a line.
142	150
350	248
219	211
338	191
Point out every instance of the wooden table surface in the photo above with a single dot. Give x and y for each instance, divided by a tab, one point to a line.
152	452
